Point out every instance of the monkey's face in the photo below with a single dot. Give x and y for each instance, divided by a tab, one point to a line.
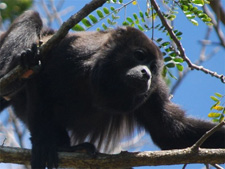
122	79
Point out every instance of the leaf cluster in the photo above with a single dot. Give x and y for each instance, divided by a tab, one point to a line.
218	109
100	14
191	11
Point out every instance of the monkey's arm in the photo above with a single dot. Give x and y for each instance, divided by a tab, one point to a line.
18	46
171	129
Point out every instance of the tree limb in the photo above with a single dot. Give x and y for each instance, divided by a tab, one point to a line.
124	159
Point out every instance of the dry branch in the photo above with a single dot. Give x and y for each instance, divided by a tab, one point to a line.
124	159
180	47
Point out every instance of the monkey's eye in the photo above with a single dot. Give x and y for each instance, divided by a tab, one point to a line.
140	55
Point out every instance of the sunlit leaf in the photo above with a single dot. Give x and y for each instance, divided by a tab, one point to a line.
214	98
218	107
134	2
180	67
214	115
194	22
218	95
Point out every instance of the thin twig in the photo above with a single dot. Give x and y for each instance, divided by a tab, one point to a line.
180	47
197	145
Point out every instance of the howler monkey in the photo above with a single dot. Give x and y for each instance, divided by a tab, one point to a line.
97	85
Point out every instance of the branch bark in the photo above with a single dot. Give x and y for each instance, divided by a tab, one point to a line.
18	71
124	159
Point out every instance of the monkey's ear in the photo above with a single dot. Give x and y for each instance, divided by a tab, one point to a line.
121	30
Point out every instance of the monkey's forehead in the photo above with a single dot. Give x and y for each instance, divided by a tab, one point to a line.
134	38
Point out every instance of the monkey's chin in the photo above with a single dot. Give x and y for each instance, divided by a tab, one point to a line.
141	89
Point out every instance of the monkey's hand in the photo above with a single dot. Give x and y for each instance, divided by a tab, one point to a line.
30	59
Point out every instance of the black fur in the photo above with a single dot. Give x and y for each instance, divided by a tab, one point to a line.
99	86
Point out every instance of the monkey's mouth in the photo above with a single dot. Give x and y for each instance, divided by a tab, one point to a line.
139	86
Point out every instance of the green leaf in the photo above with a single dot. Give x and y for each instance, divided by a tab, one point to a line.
171	75
180	67
135	16
165	43
171	17
219	95
141	14
140	28
206	19
214	115
209	23
198	2
93	19
106	10
184	7
130	20
104	26
170	65
179	60
179	33
190	17
194	22
100	14
167	59
159	40
215	120
112	8
125	23
78	27
164	71
109	21
168	49
86	22
115	17
214	98
173	54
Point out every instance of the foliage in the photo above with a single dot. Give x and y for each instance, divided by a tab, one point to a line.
219	107
14	8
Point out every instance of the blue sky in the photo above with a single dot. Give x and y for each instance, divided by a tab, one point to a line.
193	95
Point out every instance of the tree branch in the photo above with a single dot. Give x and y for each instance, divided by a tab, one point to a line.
124	159
207	135
18	71
180	47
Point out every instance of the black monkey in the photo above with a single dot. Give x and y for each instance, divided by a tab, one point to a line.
98	85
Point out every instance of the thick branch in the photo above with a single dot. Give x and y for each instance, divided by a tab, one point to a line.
18	71
124	159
